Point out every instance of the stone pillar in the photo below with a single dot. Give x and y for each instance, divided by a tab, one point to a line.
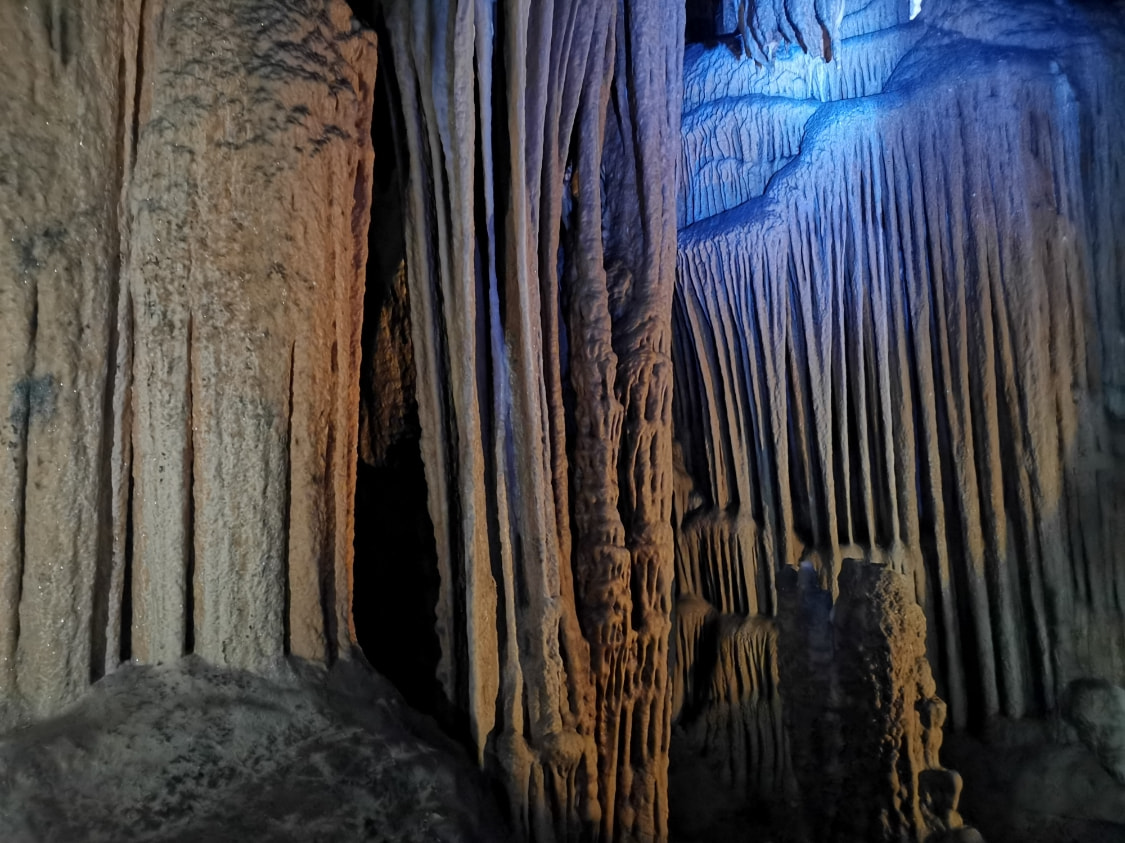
245	266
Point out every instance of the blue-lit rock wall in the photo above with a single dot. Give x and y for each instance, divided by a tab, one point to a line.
898	339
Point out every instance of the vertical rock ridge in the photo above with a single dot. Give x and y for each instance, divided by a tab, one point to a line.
553	329
919	378
59	243
255	460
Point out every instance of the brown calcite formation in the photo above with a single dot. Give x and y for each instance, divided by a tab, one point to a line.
861	708
185	197
732	774
740	727
61	156
540	310
893	314
248	205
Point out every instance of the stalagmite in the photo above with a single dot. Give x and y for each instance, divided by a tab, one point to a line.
861	710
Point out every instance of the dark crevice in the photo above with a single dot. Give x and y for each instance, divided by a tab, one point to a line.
126	644
24	438
104	560
189	503
328	584
137	82
395	571
286	636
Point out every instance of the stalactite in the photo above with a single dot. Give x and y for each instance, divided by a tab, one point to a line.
862	66
883	353
540	310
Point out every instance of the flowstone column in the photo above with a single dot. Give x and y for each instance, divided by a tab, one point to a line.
250	207
61	116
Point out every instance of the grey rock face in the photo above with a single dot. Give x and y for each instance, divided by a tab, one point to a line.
1096	710
187	752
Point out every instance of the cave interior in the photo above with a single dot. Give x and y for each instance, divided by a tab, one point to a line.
562	420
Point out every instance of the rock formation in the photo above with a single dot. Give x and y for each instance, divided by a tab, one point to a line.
185	211
540	307
882	355
60	158
861	708
203	753
734	404
871	344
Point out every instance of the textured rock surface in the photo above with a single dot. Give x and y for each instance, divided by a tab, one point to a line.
898	337
884	354
185	192
814	25
881	355
1096	710
61	119
190	752
253	126
861	708
540	311
1027	782
730	750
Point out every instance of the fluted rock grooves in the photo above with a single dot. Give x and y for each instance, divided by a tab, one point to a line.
59	189
897	328
185	217
894	320
545	387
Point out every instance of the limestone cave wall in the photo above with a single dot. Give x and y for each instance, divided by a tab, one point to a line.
540	307
743	407
897	327
186	192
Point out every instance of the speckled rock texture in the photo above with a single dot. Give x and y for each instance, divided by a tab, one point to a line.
187	752
184	197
